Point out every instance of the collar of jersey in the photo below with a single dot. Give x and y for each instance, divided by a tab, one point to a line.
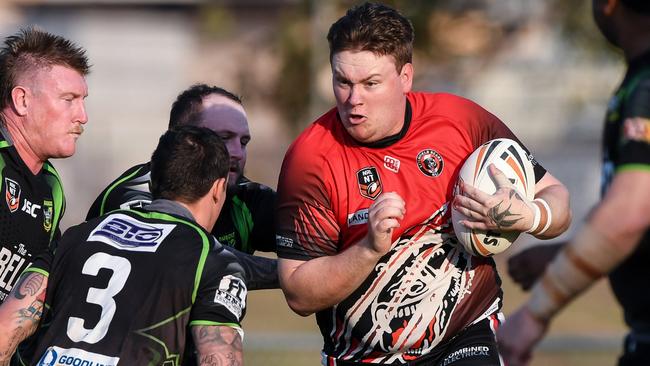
5	137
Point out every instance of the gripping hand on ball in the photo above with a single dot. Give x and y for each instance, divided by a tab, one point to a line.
505	210
384	216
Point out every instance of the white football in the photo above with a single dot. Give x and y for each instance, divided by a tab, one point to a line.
509	157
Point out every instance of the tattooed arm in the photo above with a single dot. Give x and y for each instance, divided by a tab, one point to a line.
218	345
21	312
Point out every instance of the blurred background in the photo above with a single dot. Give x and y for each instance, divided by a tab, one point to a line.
541	66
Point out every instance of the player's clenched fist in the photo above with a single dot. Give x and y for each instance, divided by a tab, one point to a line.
384	215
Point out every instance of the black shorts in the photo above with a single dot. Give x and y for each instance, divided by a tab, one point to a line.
474	345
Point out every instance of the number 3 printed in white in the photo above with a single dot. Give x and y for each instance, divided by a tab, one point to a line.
103	297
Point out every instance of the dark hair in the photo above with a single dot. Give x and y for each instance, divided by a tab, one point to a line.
639	6
373	27
31	49
189	103
186	163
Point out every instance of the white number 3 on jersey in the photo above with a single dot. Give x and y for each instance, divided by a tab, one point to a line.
103	297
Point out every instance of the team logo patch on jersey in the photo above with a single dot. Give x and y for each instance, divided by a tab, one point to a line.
391	163
358	218
369	182
48	210
55	356
231	294
637	129
430	162
126	233
12	194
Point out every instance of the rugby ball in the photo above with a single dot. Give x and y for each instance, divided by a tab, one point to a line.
509	157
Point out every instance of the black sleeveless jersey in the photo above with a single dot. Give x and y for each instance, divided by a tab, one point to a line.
29	214
246	222
626	146
124	288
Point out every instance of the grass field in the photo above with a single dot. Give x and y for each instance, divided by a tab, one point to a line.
587	333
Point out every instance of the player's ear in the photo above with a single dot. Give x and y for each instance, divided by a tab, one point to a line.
406	77
219	189
19	100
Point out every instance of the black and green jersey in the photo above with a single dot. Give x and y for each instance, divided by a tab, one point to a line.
126	287
626	146
29	215
246	222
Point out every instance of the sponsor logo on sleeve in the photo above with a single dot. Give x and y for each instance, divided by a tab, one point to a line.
231	294
358	218
283	241
56	356
430	162
126	233
12	194
369	182
391	163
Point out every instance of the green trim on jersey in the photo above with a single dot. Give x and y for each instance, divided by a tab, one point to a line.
243	221
204	237
3	144
632	167
36	270
207	322
57	196
112	187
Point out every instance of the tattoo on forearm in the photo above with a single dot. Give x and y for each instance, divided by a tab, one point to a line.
28	285
503	218
34	311
24	311
218	346
228	359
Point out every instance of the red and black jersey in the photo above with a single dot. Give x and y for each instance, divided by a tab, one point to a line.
426	289
626	146
126	287
29	214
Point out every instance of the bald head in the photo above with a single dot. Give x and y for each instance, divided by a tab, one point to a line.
228	119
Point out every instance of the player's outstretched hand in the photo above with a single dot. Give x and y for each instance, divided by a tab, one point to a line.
528	265
518	335
505	210
384	215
